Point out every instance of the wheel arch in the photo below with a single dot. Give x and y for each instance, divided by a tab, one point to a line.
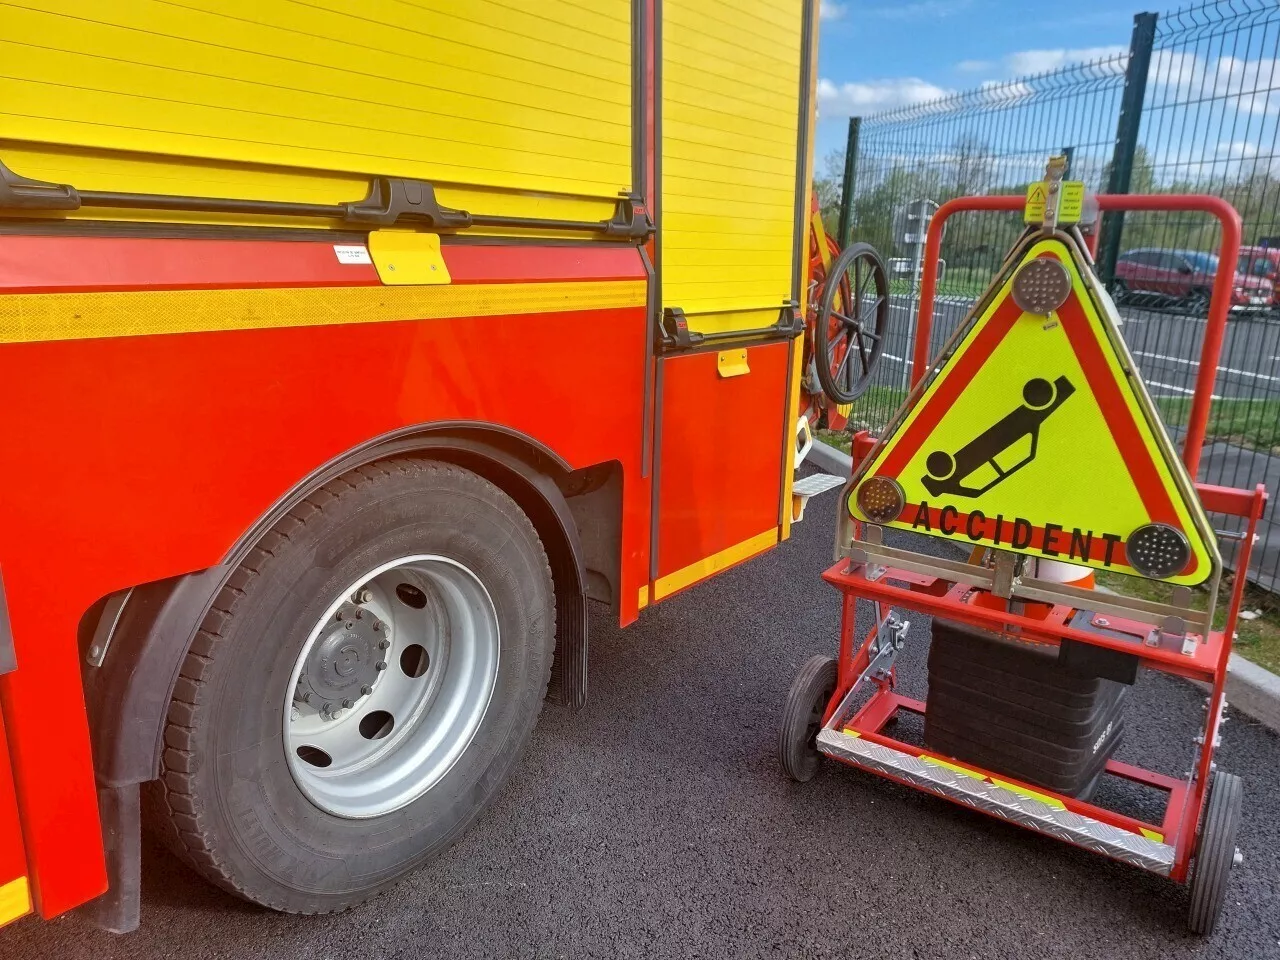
136	640
141	643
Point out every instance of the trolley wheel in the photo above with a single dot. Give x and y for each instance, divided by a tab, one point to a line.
853	318
802	717
1216	852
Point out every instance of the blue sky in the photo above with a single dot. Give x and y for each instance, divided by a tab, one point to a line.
878	54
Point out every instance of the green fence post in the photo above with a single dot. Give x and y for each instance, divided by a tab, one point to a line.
845	233
1135	91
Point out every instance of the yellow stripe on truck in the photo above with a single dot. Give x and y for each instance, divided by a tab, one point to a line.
665	586
25	318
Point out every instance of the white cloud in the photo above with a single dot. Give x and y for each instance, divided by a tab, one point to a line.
1174	68
830	10
1250	83
1026	62
860	99
1246	86
974	66
1238	149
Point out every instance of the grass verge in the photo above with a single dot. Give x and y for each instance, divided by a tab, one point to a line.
1247	422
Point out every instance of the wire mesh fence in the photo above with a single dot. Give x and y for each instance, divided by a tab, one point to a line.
1191	108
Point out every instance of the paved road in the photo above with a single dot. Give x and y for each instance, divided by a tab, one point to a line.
656	824
1166	345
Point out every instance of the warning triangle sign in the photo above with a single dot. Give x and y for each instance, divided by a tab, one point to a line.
1033	435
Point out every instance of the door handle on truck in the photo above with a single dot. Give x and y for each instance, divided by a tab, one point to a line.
675	335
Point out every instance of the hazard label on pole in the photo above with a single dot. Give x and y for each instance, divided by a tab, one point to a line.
1034	436
1071	196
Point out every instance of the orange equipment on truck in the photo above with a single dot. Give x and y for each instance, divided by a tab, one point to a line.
346	354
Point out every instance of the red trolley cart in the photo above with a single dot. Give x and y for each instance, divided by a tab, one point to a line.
1046	307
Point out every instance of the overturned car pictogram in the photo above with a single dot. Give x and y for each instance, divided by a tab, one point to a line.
948	472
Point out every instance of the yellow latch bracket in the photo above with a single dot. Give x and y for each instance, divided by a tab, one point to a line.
732	363
405	258
15	900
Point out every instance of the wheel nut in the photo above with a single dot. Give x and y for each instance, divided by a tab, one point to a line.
348	703
380	665
366	690
384	643
364	596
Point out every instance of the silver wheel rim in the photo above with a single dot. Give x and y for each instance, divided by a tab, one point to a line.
391	686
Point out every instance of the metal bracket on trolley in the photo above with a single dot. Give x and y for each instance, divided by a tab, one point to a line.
1021	587
889	639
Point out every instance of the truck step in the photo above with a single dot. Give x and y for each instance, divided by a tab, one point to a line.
805	487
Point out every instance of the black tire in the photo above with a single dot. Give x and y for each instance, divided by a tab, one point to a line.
1215	853
227	803
802	717
1196	303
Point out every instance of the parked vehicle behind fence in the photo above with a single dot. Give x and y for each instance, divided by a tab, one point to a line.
1184	277
1264	263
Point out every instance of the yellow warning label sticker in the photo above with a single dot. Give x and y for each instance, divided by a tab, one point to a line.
1031	437
1037	193
1070	202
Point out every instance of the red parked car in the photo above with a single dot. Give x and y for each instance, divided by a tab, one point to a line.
1184	277
1263	262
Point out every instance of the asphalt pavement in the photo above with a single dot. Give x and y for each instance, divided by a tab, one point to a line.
1165	344
656	823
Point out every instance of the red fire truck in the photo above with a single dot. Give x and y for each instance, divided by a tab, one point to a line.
347	350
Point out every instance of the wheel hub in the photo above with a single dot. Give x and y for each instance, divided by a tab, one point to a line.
344	663
391	686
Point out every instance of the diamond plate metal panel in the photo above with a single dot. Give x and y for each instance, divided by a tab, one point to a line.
815	484
1026	811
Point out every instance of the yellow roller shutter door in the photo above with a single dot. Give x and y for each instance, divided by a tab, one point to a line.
730	110
494	95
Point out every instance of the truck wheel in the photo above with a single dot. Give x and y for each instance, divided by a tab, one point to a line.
361	689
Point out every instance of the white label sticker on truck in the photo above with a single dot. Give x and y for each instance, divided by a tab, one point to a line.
352	253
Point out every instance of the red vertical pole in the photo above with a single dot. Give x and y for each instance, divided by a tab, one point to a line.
1219	306
929	276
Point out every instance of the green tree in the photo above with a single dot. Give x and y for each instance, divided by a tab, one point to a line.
828	183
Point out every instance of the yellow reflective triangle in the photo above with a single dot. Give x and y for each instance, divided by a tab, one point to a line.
1033	435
